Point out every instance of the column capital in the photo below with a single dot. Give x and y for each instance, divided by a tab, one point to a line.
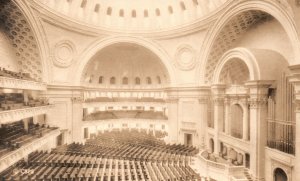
218	100
203	100
77	99
257	102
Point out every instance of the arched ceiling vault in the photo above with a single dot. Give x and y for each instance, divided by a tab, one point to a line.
16	27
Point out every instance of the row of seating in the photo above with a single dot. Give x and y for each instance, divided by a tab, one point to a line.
103	115
110	156
14	135
56	166
11	101
16	75
125	99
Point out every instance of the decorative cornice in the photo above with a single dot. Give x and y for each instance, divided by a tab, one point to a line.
18	114
11	83
98	104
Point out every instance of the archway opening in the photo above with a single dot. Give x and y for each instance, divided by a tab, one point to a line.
280	175
236	121
249	28
130	64
234	72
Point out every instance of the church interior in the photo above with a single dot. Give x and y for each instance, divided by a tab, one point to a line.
150	90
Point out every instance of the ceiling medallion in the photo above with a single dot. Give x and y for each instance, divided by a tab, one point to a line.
63	53
185	57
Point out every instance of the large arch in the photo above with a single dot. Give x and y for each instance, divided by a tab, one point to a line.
102	43
255	61
280	13
42	46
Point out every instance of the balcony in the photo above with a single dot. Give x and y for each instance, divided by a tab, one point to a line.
22	152
18	114
219	169
12	83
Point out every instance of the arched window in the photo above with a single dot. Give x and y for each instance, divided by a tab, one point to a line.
112	80
158	80
170	9
97	8
146	13
133	13
182	5
157	11
121	13
148	80
100	80
109	11
125	81
280	175
137	81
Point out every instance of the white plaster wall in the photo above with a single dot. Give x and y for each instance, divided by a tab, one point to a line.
55	34
269	35
195	40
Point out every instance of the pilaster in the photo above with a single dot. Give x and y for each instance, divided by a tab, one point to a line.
258	91
202	113
172	104
218	92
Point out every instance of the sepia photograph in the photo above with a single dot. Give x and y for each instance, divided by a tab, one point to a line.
149	90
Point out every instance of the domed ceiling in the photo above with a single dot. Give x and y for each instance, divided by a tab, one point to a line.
134	14
125	60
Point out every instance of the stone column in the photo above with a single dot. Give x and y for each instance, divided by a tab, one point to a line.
203	117
295	79
77	116
245	122
172	105
218	92
227	116
258	91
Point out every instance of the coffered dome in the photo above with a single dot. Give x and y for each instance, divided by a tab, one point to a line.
134	14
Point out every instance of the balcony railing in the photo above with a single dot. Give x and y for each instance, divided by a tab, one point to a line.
18	114
22	152
224	167
11	83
